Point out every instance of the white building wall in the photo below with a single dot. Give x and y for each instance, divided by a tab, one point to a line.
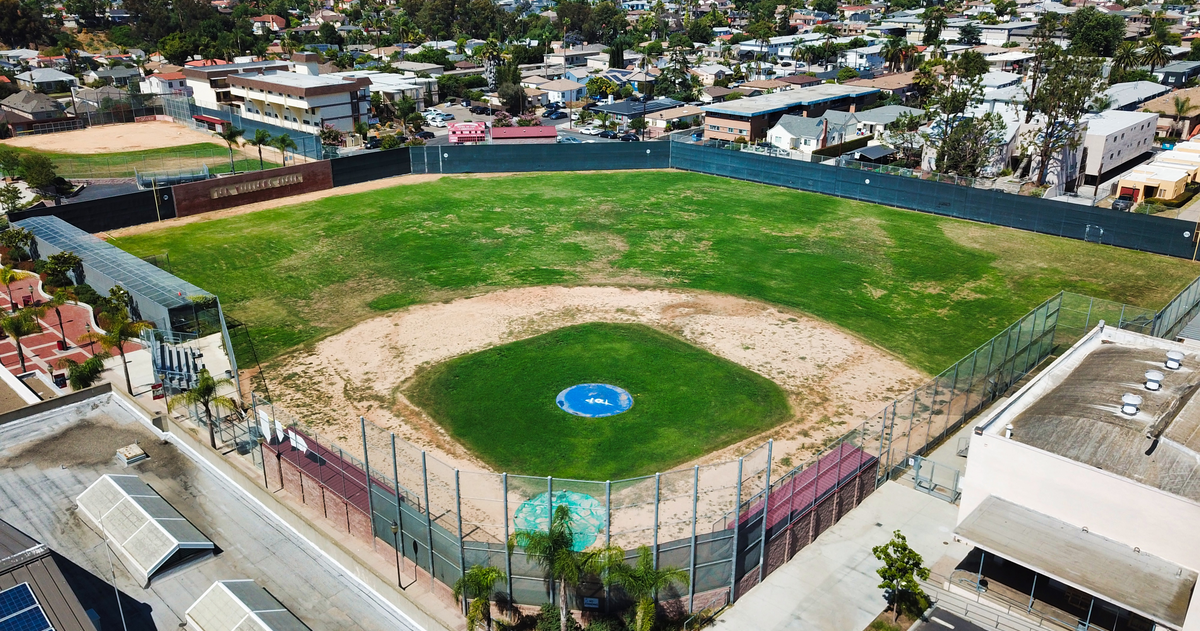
1111	149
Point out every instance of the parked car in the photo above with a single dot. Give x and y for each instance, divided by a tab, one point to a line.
447	116
569	140
372	142
697	136
608	133
425	135
480	110
590	130
436	122
1123	203
556	115
629	138
431	110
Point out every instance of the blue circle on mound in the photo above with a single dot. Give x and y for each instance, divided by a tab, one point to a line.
594	400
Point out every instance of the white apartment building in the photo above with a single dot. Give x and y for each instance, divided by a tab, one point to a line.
301	101
1115	138
1082	490
169	83
395	87
209	84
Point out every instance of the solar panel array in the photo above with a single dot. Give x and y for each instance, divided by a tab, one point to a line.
127	270
20	611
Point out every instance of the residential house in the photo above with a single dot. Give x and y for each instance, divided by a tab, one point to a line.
1131	95
752	117
1177	73
1165	107
629	109
711	73
1013	60
1005	32
803	135
800	80
264	24
25	110
417	67
173	83
765	86
900	83
299	101
996	80
116	75
873	121
715	94
864	59
563	91
576	56
658	121
47	80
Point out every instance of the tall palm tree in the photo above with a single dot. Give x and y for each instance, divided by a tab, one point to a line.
22	323
62	296
1125	56
554	551
8	276
121	329
893	53
477	585
261	137
1155	54
490	54
642	582
1183	110
204	394
283	142
232	136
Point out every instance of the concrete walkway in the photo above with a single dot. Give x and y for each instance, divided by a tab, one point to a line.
831	585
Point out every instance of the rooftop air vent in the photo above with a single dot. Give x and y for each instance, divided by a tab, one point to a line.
1153	380
1174	360
1130	404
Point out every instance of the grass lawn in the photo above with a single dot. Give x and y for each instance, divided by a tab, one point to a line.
501	402
927	288
125	163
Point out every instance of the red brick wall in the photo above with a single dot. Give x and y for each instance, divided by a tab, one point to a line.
272	468
335	511
360	525
217	193
291	479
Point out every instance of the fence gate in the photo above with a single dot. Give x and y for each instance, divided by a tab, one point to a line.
1093	234
940	481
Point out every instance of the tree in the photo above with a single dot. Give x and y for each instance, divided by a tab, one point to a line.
642	582
902	566
1045	51
1155	54
58	265
38	171
477	585
232	136
845	74
904	135
969	34
62	296
261	138
1182	109
203	394
8	276
18	241
973	64
177	48
601	86
83	374
121	329
284	143
10	161
1094	32
10	197
1125	57
934	19
828	6
554	551
22	323
963	144
1068	86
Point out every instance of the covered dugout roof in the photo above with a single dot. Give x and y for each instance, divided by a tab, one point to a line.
1107	569
134	274
145	529
241	605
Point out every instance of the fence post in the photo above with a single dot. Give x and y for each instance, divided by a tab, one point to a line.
607	532
428	518
762	545
1088	322
549	523
695	506
657	483
507	557
462	554
362	424
737	527
396	482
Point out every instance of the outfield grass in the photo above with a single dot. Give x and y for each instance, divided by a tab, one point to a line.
125	163
501	402
928	288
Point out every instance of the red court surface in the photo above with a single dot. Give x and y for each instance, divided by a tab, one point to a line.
41	349
799	494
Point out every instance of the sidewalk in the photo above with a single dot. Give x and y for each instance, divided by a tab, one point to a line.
831	585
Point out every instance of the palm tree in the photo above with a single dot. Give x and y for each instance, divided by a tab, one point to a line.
83	375
605	120
477	585
1125	57
204	394
19	324
1155	54
283	142
8	276
642	582
893	53
554	550
261	137
232	136
62	296
490	55
1183	109
121	329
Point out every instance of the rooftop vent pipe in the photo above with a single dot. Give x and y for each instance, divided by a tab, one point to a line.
1153	380
1130	404
1174	360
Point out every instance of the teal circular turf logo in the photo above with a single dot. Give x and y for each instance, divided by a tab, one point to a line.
587	515
594	400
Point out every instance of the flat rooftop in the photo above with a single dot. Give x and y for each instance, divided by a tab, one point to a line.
1073	409
788	99
47	460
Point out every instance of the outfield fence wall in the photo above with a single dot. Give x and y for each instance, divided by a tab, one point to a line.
728	524
108	213
375	165
539	157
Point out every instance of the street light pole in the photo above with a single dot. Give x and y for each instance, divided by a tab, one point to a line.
396	547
